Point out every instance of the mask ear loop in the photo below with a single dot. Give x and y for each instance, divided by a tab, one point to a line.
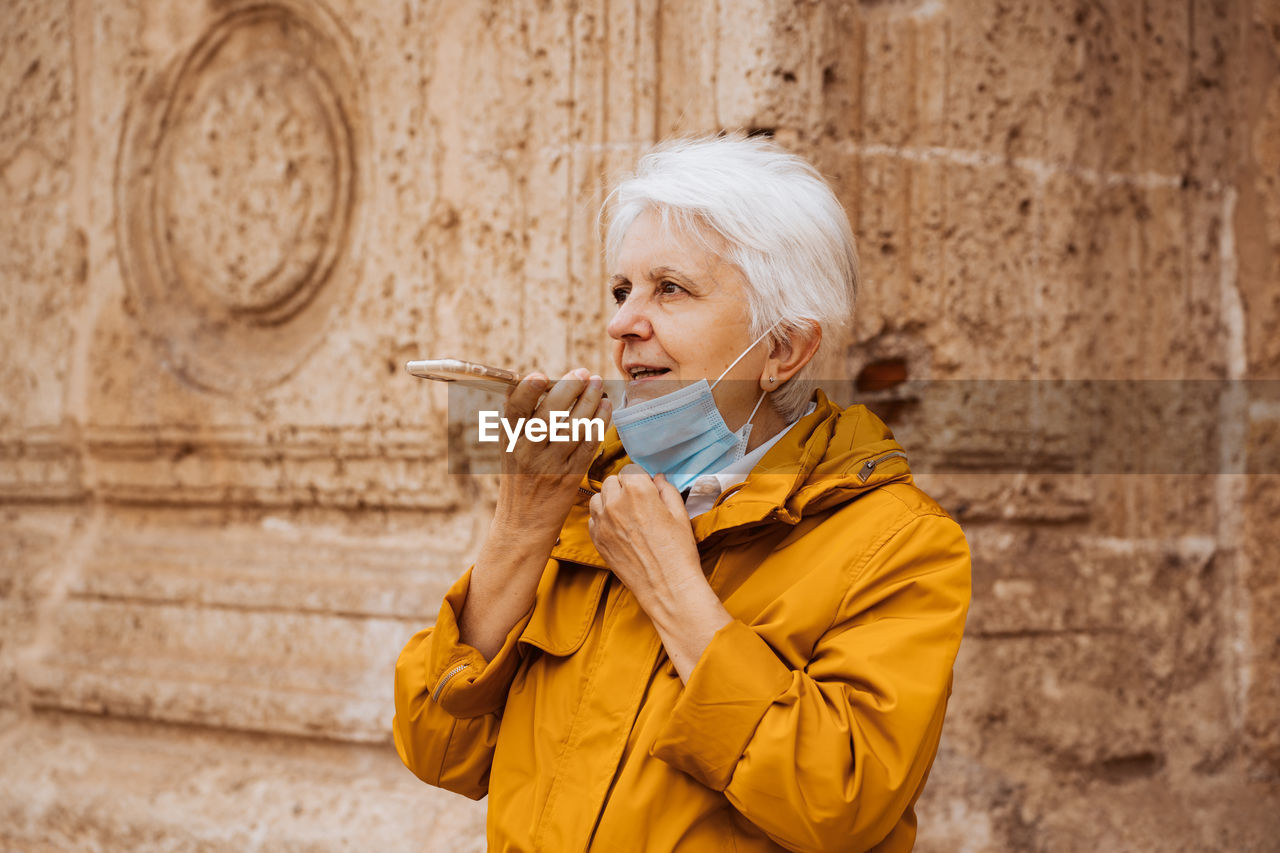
752	416
742	356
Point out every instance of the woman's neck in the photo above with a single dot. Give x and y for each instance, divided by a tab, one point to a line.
766	424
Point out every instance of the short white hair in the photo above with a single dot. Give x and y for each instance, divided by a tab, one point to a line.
780	223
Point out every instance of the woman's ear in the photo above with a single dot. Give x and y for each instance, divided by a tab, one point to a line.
790	354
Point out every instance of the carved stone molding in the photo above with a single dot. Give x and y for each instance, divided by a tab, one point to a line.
238	185
253	627
325	467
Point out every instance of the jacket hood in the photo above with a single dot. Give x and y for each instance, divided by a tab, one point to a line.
829	457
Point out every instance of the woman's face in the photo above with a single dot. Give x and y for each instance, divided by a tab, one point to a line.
682	316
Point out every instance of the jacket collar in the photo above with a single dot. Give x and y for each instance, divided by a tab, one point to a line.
828	458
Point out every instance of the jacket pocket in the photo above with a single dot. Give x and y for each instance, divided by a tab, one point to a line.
568	597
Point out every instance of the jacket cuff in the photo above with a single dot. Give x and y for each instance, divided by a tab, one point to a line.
732	685
459	677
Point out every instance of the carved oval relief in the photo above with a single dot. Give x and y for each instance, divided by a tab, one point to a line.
237	187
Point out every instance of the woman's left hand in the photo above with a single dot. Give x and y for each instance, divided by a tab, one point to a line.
640	527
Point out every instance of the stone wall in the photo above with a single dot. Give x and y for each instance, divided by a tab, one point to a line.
224	226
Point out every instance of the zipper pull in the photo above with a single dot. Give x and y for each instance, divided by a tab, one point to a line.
435	697
869	467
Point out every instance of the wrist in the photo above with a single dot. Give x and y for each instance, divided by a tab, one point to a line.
523	524
678	608
532	510
688	628
517	539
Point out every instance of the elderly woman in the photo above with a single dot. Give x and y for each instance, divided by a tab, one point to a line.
731	625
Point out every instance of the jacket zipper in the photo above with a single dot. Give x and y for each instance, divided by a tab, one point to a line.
869	467
445	680
727	493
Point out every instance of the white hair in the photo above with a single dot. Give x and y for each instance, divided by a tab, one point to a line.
780	223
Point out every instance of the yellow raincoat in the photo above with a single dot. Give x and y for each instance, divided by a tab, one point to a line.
809	723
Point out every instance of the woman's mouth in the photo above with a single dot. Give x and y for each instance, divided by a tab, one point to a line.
641	372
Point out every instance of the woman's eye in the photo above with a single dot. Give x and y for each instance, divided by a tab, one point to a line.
620	294
670	287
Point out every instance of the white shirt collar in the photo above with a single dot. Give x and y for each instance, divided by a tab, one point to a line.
708	488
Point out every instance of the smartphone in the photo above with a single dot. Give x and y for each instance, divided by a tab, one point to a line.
468	373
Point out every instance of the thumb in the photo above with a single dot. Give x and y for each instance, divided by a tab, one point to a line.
670	497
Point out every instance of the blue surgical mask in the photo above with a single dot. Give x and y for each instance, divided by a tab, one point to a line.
682	434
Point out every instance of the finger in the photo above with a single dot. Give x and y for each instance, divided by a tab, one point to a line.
584	412
631	469
632	476
585	451
523	398
595	505
609	489
589	401
563	394
670	497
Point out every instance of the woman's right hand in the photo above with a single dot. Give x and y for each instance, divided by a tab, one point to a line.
537	488
540	478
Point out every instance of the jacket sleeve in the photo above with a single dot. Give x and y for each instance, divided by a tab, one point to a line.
449	700
829	757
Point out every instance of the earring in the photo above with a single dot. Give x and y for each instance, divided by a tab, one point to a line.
772	380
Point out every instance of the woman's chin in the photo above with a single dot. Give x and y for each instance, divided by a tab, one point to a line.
639	390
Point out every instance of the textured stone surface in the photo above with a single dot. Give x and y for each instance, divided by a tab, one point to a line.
191	789
42	251
225	226
274	627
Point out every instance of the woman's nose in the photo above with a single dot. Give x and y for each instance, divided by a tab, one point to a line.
630	321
